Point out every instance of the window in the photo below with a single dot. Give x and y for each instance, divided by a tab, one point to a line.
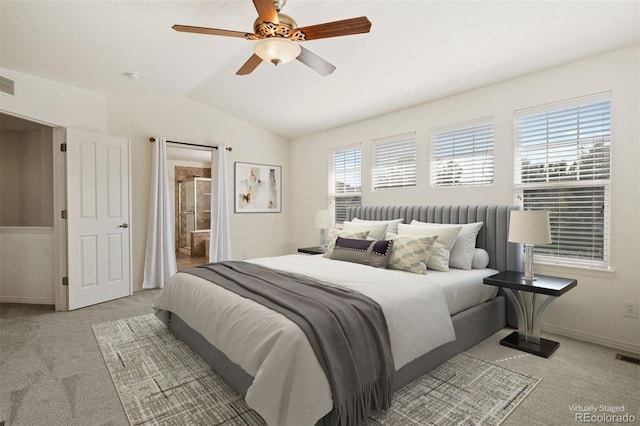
345	181
562	165
394	162
462	154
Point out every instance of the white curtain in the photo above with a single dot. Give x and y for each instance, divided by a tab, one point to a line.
220	243
160	257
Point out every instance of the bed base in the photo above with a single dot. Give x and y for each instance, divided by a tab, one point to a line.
471	326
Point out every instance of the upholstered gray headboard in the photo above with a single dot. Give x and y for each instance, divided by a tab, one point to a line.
492	237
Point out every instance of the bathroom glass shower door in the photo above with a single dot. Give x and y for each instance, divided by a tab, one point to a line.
194	210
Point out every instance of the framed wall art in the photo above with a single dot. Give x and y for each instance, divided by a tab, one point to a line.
258	188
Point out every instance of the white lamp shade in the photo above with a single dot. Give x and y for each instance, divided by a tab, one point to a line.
277	50
529	227
321	219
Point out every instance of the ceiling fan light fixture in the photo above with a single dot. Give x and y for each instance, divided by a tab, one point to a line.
277	50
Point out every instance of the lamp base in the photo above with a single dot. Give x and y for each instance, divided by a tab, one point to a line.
323	240
528	263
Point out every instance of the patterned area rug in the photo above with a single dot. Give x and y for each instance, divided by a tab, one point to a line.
160	381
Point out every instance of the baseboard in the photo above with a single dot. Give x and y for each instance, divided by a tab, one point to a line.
28	300
593	338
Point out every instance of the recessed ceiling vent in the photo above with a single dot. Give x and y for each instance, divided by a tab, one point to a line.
7	86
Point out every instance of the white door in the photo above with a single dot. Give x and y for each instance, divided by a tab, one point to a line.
98	229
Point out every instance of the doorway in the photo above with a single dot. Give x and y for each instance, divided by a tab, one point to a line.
40	167
27	238
190	182
193	214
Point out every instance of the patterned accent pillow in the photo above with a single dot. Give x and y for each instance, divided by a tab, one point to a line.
362	235
373	253
410	253
440	252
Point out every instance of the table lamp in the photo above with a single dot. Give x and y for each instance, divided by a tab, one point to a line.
322	221
529	227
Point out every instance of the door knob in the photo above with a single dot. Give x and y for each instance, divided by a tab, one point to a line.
124	225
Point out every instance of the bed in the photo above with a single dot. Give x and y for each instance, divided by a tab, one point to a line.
252	358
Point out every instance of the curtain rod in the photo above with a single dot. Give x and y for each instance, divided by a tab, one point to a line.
152	139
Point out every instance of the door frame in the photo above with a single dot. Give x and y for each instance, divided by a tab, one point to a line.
59	200
59	224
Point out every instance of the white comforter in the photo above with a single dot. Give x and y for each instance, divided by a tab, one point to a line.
290	387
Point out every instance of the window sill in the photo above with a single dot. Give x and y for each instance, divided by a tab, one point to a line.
554	268
394	188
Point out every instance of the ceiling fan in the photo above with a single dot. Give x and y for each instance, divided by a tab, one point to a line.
279	37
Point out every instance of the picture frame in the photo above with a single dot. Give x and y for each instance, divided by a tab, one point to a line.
258	188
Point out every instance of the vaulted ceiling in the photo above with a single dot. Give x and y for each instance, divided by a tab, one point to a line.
416	51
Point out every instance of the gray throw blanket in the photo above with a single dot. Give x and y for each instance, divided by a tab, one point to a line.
346	329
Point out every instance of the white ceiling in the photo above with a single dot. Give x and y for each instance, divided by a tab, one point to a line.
416	51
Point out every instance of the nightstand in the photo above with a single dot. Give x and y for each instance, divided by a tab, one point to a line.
311	250
530	312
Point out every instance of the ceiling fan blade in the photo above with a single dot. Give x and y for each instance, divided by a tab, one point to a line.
315	62
210	31
266	11
337	28
251	64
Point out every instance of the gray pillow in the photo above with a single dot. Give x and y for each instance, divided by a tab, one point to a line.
373	253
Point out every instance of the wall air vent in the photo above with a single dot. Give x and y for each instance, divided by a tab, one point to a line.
627	358
7	86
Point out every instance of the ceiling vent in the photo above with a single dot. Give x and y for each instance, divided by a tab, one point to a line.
7	86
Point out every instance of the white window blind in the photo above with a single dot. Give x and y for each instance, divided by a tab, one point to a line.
345	181
562	164
394	162
462	154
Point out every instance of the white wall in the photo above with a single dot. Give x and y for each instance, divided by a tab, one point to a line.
54	103
26	216
10	171
179	119
592	311
27	265
26	171
59	105
137	118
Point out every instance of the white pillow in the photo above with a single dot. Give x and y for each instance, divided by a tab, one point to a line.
377	231
480	259
447	234
464	246
392	225
335	233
